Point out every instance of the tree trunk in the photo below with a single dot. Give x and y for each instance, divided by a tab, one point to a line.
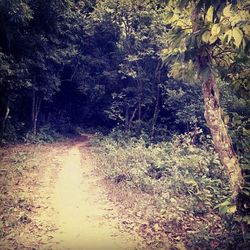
7	111
132	118
127	118
139	111
140	102
36	104
221	139
223	146
140	94
33	123
156	111
158	94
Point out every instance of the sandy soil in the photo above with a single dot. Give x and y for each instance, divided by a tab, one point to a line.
69	208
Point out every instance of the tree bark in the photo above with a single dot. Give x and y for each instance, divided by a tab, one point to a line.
156	111
221	139
132	118
223	146
140	94
7	111
158	94
139	111
36	104
140	103
127	118
33	126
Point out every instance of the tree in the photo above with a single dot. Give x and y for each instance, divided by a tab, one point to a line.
136	98
14	17
41	26
208	35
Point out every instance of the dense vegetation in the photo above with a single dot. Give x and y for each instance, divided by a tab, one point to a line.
148	69
186	182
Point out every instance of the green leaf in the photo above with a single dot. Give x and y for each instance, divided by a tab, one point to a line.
227	11
228	34
215	30
210	14
246	132
226	119
212	39
205	36
238	36
246	29
246	219
191	182
226	203
246	192
231	209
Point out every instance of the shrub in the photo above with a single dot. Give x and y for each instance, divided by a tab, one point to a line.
45	134
167	169
184	178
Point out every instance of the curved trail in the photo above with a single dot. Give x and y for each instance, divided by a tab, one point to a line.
72	210
85	217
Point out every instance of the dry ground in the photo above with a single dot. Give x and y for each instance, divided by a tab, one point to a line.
53	198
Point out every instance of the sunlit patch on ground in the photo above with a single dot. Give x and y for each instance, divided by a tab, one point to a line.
84	216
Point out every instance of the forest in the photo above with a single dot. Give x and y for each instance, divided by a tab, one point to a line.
146	102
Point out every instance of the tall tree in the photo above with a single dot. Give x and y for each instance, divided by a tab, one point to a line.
139	27
14	19
208	35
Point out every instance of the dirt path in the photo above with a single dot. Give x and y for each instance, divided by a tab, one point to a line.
72	210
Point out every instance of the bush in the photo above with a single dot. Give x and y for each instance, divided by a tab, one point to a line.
184	176
10	134
46	134
168	169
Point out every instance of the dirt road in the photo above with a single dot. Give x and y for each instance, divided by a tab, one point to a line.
67	205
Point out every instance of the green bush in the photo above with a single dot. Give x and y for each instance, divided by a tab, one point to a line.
10	134
183	176
46	134
168	169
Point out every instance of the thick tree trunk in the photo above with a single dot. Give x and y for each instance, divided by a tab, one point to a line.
7	111
221	139
223	145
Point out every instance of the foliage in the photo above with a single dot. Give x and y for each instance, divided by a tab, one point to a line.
225	30
184	172
184	106
179	166
45	134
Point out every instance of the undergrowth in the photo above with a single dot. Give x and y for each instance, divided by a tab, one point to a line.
45	134
185	178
